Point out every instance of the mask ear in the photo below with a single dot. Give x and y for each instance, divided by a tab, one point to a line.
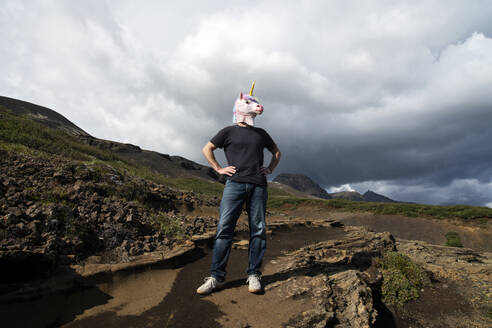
241	95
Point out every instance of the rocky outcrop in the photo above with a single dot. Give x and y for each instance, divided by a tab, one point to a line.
302	183
450	262
465	280
339	278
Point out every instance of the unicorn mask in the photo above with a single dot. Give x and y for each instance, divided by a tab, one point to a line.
246	108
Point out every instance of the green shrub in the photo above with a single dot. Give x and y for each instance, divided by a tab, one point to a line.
453	239
402	279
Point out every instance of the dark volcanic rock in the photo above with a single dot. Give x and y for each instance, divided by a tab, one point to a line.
302	183
65	211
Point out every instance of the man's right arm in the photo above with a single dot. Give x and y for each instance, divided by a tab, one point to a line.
208	152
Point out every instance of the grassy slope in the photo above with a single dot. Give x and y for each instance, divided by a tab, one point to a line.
464	212
23	135
20	134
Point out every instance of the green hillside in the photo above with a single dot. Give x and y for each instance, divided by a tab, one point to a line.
20	134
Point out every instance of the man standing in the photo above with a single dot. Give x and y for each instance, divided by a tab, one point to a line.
246	182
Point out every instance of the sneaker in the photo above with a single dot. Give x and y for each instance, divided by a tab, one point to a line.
211	284
254	283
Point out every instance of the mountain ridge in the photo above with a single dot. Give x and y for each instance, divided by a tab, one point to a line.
307	185
171	166
302	183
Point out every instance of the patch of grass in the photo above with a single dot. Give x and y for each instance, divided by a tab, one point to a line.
402	278
453	239
277	192
21	149
168	224
279	201
490	314
196	185
189	184
464	212
22	134
415	210
55	195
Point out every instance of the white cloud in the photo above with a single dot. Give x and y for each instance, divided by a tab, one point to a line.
343	187
459	191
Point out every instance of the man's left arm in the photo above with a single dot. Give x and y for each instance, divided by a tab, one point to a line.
274	162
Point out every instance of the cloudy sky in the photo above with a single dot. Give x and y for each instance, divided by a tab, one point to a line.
392	96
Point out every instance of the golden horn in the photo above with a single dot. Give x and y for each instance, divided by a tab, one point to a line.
252	87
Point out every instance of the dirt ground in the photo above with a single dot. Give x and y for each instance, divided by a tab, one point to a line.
158	297
474	236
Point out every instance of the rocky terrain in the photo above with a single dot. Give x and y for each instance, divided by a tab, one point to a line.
337	277
464	277
55	211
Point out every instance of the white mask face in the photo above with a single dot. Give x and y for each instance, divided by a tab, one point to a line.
246	108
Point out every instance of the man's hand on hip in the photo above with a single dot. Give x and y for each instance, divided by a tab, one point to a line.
229	170
265	170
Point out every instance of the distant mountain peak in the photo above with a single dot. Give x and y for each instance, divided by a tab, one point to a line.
349	195
302	183
308	186
371	196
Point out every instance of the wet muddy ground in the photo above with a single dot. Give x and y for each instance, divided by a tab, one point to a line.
155	297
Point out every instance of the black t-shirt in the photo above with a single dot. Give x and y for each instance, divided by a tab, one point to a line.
243	147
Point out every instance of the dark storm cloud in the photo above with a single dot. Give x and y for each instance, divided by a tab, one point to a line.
389	95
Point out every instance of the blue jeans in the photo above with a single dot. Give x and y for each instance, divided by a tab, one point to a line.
234	196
